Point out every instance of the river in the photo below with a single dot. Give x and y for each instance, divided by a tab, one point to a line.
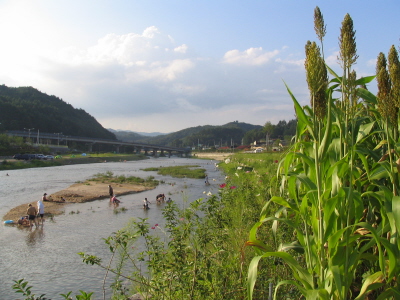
47	257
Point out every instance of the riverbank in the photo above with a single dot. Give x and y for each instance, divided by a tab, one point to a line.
211	155
8	163
77	193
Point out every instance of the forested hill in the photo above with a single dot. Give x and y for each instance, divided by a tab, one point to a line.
26	107
229	134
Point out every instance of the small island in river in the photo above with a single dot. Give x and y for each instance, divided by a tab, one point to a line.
78	193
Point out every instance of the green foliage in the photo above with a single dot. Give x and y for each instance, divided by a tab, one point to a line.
180	171
110	178
21	286
67	160
338	192
26	107
14	165
9	145
205	135
198	253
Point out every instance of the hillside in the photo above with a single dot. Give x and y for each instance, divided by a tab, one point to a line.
26	107
208	135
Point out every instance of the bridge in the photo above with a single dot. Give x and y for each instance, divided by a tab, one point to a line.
52	139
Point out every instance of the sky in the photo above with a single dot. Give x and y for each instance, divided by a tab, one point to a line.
166	65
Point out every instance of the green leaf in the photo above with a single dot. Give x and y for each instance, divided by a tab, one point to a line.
259	244
280	201
364	131
396	212
378	172
365	80
373	282
301	116
292	246
337	78
328	130
252	275
337	275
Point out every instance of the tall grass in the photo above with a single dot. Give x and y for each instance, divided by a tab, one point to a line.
339	190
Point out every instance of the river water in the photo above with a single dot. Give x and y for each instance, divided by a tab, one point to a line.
47	257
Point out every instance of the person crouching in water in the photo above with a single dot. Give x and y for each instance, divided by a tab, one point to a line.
146	203
114	200
32	212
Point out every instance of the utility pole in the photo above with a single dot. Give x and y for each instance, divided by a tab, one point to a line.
29	133
58	140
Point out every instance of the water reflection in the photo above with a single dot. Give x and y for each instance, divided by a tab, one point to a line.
35	235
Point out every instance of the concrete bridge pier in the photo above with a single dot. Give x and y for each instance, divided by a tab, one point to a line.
90	146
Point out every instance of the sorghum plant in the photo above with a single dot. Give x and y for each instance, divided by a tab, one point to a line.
338	189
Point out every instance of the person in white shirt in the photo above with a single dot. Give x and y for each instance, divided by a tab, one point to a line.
40	208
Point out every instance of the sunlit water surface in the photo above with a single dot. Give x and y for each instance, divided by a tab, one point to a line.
47	257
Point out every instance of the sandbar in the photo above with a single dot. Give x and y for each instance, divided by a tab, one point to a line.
77	193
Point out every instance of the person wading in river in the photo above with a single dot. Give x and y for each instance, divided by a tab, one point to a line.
111	192
32	212
40	208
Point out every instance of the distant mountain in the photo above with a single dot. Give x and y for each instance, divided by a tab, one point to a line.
151	133
26	107
208	135
129	136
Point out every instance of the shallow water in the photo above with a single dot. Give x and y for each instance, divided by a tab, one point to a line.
47	257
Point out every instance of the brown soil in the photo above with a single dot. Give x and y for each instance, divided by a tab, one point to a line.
77	193
213	155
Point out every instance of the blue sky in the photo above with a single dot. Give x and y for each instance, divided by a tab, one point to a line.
168	65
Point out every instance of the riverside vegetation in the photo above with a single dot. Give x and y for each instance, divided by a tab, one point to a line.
339	204
70	159
325	227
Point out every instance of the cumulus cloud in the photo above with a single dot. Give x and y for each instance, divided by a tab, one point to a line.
127	81
251	56
181	49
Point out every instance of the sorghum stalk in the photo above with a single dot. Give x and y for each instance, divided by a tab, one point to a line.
319	27
387	107
347	58
317	80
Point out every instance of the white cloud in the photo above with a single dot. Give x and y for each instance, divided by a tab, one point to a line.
181	49
251	56
332	59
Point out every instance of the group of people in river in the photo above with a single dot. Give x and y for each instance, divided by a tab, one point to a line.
34	215
159	199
